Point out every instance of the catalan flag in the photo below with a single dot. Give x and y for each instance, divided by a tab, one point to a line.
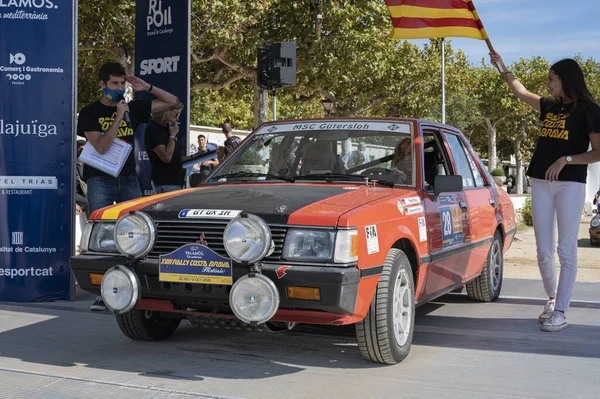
423	19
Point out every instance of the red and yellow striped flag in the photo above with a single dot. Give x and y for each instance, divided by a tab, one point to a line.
423	19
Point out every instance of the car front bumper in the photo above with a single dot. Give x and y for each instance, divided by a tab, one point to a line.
338	286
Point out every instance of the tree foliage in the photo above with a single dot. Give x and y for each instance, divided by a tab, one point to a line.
344	53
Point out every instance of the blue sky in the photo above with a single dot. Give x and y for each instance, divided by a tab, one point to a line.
553	29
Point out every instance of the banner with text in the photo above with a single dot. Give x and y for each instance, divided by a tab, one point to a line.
162	58
37	94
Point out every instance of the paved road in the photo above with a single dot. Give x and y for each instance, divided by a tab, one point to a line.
461	350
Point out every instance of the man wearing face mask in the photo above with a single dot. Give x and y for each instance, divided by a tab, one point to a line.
103	121
356	157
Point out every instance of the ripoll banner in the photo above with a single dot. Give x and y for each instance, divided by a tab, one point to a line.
37	95
162	57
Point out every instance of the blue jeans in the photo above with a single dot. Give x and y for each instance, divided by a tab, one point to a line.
165	188
106	190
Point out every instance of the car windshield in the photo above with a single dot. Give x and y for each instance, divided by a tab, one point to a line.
330	151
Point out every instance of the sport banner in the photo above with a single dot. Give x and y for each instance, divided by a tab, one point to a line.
162	58
37	95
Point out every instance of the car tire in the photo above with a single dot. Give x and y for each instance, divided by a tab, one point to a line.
385	335
487	286
146	325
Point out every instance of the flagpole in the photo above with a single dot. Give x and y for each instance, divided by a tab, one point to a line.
489	44
443	80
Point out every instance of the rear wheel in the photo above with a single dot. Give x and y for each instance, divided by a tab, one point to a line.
487	286
385	334
146	325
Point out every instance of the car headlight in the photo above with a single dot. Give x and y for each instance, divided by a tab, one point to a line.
321	245
135	234
595	221
120	289
101	238
247	238
308	245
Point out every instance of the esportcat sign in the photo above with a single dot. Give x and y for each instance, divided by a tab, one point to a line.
37	143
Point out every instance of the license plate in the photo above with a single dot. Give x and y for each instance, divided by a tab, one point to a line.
195	264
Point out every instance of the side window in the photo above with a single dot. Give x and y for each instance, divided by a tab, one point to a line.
434	160
460	158
479	182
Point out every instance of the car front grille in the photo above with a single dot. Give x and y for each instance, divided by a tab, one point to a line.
174	234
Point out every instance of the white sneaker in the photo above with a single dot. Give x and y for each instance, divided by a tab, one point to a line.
556	322
548	310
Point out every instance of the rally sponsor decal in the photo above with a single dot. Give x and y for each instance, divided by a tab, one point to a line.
337	125
208	213
422	229
196	264
446	200
400	208
451	226
411	201
372	239
413	210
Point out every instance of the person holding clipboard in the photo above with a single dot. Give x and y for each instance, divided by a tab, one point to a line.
110	118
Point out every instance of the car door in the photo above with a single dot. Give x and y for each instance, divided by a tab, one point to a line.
479	199
447	218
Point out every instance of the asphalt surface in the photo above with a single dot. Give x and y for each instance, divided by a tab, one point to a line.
461	350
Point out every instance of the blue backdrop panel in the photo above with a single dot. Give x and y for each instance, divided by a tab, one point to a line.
162	57
36	148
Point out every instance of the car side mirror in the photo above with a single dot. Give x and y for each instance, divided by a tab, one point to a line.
447	184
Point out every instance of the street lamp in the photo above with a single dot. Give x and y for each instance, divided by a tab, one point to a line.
327	106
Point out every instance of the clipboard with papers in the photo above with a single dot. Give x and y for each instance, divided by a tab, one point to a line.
111	162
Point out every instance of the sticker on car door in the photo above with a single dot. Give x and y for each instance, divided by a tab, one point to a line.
422	229
451	226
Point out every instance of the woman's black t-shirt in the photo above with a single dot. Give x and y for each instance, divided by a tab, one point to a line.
565	131
163	173
98	117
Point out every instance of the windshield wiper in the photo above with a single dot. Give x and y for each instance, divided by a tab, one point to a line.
328	177
253	174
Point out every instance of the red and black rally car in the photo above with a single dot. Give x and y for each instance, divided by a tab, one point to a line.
350	221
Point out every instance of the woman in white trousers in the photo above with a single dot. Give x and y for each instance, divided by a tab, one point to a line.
558	168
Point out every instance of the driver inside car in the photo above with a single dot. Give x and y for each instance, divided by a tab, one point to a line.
403	161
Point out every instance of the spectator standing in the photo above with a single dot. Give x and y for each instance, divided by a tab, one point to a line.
103	121
231	141
164	150
204	168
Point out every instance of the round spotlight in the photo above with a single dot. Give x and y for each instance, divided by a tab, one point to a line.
120	289
254	299
135	234
247	238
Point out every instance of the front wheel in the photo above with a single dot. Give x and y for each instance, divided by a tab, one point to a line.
486	287
385	334
146	325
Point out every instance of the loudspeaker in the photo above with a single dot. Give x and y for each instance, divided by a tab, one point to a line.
277	65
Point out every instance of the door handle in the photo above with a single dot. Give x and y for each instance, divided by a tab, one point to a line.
463	205
492	202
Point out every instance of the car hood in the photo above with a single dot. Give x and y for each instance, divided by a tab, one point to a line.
312	204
